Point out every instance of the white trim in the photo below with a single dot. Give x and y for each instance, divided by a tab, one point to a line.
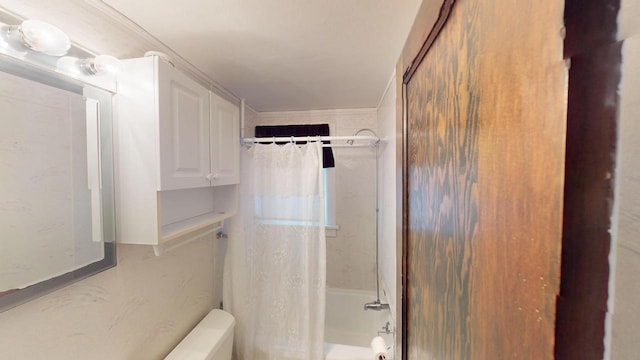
183	240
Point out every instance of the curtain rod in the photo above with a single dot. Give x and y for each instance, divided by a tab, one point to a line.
372	140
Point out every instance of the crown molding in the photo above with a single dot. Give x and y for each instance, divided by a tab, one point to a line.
180	62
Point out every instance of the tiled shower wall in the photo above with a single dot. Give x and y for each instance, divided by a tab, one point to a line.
351	253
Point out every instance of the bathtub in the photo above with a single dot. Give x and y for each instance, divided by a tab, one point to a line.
349	328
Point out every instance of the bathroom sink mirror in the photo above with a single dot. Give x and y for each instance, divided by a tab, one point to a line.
56	183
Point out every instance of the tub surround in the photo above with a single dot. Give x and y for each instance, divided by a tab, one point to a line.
390	179
349	329
346	352
386	115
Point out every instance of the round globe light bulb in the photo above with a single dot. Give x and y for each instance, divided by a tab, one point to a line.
69	65
106	65
43	37
101	65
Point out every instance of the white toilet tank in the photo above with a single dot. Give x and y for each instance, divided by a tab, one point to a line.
211	339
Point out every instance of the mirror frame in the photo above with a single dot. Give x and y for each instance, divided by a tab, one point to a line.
43	75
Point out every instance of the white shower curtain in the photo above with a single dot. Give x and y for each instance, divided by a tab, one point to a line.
275	267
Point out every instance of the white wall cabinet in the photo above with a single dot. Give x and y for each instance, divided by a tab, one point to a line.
225	135
183	129
177	155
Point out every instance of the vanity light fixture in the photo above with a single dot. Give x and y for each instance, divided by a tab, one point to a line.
101	65
45	45
41	37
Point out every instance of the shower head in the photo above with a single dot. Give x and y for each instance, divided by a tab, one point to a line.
350	142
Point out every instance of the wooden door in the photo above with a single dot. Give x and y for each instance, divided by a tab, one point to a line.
184	130
484	140
225	142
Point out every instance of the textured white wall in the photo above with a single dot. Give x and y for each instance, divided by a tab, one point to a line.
138	310
351	254
625	258
387	190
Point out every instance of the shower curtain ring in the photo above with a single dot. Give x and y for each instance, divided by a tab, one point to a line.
291	141
274	140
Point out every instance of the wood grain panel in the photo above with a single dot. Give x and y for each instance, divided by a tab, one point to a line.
443	129
486	124
427	15
523	115
425	22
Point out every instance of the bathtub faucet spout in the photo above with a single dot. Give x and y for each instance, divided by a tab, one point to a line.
376	306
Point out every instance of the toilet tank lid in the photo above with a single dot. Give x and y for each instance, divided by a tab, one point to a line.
206	338
219	320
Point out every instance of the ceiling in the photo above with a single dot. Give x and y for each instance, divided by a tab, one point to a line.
285	54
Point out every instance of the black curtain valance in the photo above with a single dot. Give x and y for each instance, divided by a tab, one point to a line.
300	130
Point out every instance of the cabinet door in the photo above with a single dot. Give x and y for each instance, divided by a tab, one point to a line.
183	137
225	142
